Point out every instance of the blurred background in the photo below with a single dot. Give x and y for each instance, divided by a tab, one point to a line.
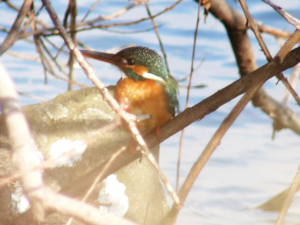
248	167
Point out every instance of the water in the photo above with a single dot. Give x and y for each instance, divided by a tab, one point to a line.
248	167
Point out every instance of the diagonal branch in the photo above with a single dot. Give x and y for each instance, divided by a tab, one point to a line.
14	34
292	20
288	201
195	113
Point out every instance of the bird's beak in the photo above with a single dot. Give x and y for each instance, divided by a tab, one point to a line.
105	57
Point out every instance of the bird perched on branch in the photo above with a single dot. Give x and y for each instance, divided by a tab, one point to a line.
145	87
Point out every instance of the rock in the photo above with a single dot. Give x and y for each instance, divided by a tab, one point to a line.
82	118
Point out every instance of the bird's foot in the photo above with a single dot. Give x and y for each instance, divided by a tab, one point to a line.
133	147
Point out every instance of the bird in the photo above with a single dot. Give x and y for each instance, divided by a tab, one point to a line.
145	87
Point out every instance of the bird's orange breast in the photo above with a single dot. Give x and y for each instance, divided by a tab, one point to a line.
144	98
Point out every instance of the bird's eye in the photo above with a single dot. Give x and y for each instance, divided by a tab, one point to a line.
130	62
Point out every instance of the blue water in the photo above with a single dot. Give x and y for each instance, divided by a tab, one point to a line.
248	167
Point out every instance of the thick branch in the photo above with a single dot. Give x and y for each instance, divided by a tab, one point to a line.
194	113
223	96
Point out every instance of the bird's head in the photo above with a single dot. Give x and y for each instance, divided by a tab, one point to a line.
138	63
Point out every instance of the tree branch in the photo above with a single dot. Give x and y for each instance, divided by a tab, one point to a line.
13	34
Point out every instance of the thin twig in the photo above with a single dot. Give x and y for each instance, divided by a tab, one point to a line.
54	45
3	29
292	80
158	37
18	55
99	177
294	77
45	60
193	86
90	10
51	56
100	18
188	94
111	16
38	59
110	161
55	32
292	20
73	14
42	57
68	81
196	68
32	96
133	22
61	49
289	198
271	30
9	4
131	32
31	17
294	37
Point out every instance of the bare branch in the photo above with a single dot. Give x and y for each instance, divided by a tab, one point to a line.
90	23
259	38
289	199
73	14
226	94
188	92
90	10
13	34
158	37
292	20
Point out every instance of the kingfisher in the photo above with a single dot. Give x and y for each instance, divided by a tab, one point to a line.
145	87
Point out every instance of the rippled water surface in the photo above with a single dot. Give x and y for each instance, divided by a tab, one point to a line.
248	167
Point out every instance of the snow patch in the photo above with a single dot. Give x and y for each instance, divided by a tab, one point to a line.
67	152
19	201
112	197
